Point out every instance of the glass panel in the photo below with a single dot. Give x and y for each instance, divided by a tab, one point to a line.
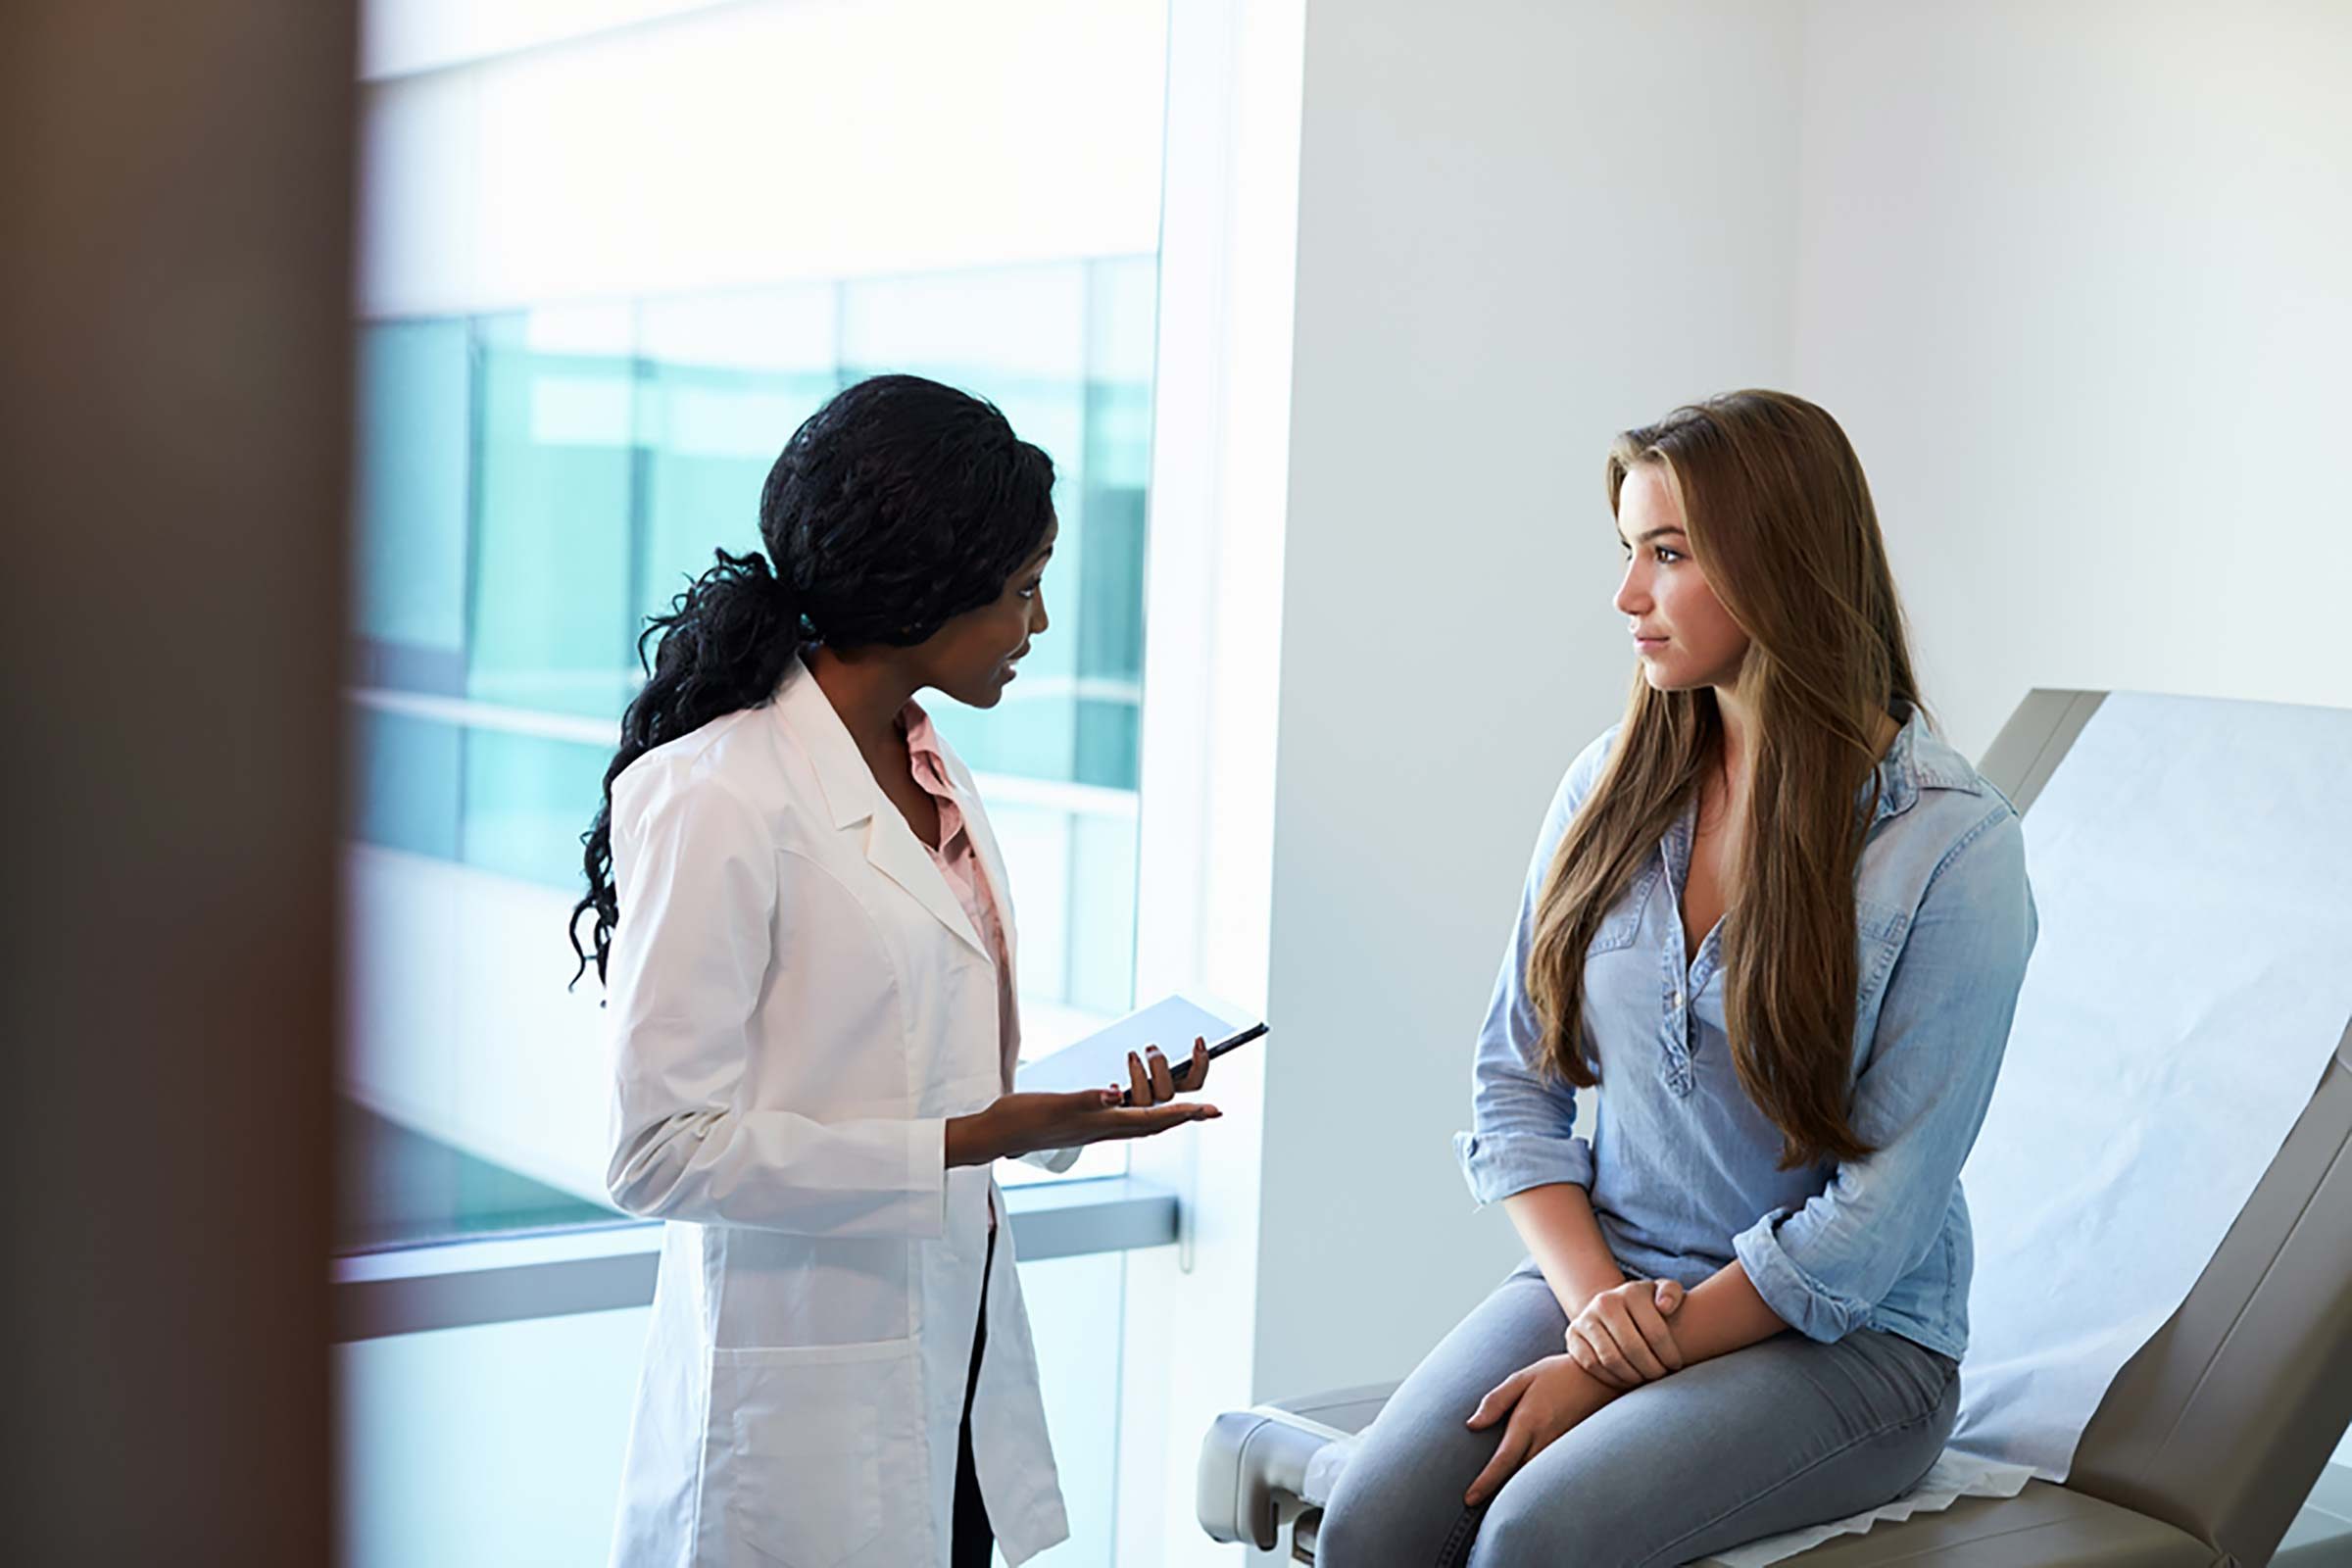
528	799
553	508
399	1188
412	455
1101	950
724	379
484	1447
405	782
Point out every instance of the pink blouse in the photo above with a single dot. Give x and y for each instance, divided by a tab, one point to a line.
959	862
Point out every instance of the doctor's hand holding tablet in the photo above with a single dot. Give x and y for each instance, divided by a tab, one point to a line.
807	936
1058	1106
1035	1120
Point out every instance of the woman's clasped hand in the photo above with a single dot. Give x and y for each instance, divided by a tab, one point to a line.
1621	1336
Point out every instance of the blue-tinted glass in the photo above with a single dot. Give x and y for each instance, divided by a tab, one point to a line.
553	500
412	455
725	380
396	1187
714	432
1122	312
406	777
528	799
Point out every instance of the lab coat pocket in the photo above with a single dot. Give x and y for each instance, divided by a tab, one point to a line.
810	1425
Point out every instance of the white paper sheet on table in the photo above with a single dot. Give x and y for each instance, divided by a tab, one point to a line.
1952	1477
2189	987
2189	858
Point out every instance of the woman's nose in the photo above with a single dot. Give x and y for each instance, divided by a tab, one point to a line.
1633	594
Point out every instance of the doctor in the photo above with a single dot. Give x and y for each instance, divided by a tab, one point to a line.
801	921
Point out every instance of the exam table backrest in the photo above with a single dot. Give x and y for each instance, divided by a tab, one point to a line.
2222	1421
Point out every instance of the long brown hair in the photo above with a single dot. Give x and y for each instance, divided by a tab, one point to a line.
1778	514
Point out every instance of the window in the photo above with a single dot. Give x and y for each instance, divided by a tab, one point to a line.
609	261
533	485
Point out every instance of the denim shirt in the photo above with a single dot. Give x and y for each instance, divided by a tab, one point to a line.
1681	1163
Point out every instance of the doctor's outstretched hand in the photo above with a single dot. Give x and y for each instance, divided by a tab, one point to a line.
1020	1123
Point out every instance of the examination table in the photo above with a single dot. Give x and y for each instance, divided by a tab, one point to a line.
2210	1446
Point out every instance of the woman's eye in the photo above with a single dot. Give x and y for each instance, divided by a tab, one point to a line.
1666	556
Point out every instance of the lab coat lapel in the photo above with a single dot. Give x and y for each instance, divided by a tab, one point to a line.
854	798
893	849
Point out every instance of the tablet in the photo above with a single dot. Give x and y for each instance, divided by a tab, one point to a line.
1172	1023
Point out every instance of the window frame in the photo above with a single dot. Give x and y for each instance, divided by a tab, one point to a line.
519	1278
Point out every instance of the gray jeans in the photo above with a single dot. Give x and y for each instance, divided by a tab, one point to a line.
1783	1434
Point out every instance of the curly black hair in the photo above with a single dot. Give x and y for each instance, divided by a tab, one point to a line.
897	507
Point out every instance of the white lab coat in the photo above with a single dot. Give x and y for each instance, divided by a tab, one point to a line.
799	1002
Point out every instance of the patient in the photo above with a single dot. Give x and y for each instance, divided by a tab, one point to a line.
1781	926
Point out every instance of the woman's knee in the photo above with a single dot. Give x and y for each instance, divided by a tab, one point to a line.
1577	1507
1389	1505
1531	1524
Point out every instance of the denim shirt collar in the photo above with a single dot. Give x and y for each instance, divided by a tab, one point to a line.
1918	761
1897	772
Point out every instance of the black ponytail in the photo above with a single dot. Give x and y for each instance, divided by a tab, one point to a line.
723	646
898	505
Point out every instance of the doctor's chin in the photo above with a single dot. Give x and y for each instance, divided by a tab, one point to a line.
1164	783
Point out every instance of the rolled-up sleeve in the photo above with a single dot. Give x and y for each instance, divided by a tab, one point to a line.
1943	1028
1522	1123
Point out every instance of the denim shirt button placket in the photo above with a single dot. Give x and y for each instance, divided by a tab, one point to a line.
1676	1029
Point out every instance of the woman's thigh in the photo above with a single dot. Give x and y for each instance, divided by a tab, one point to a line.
1783	1434
1399	1500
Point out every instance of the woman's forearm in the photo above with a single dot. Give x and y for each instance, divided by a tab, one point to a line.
1555	1222
1723	1314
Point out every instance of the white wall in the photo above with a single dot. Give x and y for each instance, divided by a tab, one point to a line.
2077	281
1520	228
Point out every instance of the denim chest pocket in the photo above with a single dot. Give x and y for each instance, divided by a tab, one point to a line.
1878	931
1623	922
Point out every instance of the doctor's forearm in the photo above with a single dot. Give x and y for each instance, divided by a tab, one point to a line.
969	1143
1555	1222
